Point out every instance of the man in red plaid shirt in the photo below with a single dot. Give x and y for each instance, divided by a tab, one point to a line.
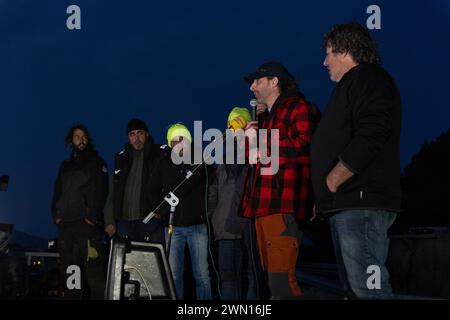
280	200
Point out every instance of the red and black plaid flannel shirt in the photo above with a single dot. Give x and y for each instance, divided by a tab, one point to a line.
289	190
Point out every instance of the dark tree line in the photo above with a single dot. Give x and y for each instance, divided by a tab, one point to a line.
426	186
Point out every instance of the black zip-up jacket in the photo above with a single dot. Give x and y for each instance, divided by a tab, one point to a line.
360	128
123	163
81	187
191	209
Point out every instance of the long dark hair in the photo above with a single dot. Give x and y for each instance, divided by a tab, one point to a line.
69	136
353	38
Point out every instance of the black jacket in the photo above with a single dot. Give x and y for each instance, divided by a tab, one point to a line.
361	128
191	209
122	166
81	187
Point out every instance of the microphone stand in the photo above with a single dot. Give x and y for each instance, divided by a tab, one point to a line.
253	104
173	200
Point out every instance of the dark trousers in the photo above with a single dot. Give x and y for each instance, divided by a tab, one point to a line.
230	266
80	244
256	285
237	275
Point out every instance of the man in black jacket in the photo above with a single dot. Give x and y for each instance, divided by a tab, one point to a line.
189	222
77	207
131	197
356	160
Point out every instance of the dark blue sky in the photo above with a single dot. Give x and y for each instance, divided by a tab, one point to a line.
183	61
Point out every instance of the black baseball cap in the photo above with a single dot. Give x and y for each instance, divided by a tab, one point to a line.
268	69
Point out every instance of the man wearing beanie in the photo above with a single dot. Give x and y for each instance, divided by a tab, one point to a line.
77	207
132	196
278	202
189	224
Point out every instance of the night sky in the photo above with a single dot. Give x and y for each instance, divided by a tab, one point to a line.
183	61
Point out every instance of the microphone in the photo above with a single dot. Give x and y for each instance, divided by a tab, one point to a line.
254	104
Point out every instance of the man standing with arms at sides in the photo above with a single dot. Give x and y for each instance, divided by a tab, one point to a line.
79	195
356	160
189	219
279	201
132	196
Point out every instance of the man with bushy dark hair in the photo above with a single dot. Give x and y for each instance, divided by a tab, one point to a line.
355	160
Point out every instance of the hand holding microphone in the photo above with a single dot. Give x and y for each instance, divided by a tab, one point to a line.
257	108
238	118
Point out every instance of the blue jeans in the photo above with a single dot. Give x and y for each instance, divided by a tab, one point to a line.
196	238
135	230
360	240
236	270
